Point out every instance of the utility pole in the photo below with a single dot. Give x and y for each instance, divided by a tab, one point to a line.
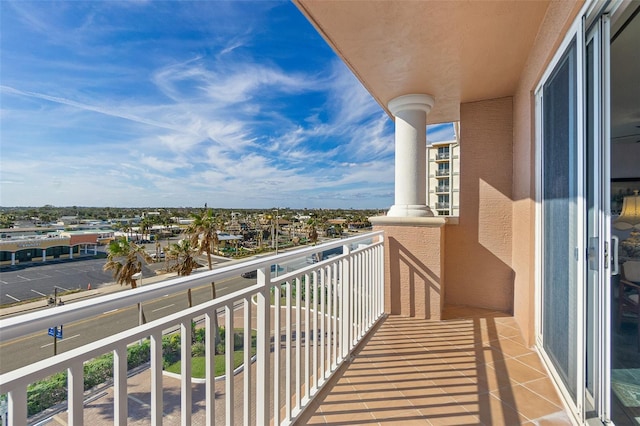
276	230
55	329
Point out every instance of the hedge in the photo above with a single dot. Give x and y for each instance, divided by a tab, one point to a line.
48	392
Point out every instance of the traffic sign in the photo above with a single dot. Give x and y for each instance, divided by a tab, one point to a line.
55	331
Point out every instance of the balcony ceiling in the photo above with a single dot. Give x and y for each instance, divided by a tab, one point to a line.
457	51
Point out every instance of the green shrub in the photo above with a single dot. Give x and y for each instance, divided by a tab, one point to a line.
170	349
46	393
53	390
200	335
138	354
198	349
98	371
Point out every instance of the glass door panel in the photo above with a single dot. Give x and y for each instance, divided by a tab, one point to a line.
561	231
597	268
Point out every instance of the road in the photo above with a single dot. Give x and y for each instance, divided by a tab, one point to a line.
29	349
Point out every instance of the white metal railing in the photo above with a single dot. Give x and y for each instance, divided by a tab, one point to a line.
306	323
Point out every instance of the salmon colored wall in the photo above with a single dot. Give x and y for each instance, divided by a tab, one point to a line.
85	238
556	23
478	269
414	270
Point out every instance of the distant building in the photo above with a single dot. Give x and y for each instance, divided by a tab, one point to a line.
443	178
39	247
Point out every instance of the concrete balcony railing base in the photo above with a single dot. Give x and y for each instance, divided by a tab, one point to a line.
414	265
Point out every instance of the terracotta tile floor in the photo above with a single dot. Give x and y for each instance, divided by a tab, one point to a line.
469	369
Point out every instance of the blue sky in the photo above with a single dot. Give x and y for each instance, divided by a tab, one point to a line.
143	103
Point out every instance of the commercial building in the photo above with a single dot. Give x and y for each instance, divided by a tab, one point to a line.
20	245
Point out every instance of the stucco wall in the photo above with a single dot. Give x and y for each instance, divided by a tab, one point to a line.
478	268
556	23
414	270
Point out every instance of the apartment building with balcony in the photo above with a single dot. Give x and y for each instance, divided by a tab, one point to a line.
443	178
544	96
500	317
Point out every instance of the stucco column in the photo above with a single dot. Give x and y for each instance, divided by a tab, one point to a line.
410	113
44	255
13	259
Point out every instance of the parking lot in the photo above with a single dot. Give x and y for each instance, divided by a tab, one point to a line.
36	280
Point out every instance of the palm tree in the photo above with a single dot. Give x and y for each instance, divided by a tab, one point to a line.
203	233
313	233
123	259
125	227
183	253
145	227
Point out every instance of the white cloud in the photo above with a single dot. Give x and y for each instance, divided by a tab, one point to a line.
220	123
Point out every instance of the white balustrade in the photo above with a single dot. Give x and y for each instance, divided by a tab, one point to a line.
306	322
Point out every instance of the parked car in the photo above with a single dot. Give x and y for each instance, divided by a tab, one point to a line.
154	255
250	274
254	273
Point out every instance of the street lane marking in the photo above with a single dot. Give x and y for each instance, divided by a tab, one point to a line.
37	292
61	340
61	288
164	307
24	278
108	312
14	298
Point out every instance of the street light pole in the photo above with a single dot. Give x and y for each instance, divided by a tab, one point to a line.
272	237
276	233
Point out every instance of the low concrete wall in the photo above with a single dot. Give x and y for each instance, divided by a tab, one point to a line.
414	268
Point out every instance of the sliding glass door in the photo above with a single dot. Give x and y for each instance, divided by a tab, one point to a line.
572	111
560	219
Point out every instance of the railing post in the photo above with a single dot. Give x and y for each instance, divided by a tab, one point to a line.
381	278
263	351
229	339
75	393
120	408
185	376
18	406
210	367
247	362
156	378
346	304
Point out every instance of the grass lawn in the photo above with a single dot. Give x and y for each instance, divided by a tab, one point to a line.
198	369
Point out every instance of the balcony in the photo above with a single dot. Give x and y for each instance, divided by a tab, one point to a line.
440	206
442	156
442	172
442	188
305	322
471	367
